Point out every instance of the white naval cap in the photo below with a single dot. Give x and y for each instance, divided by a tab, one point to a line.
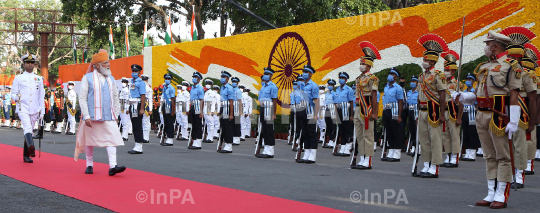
493	36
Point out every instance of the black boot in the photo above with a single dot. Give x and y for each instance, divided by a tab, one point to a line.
30	144
117	169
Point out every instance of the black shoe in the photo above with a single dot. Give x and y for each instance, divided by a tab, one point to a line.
183	139
215	138
241	139
384	159
260	155
529	172
519	185
30	143
134	152
327	147
417	175
117	169
429	175
301	161
356	166
247	136
443	165
167	144
130	133
267	156
70	133
125	139
363	167
194	147
37	137
289	143
537	159
236	144
345	155
294	149
310	161
338	154
207	141
27	159
451	165
89	170
479	155
146	141
224	151
394	160
320	141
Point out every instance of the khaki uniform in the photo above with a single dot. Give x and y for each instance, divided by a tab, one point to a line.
365	84
429	126
491	128
450	139
520	137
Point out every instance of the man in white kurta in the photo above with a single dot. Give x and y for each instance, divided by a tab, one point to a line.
100	106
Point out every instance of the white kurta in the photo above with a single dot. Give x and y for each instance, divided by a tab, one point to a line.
102	133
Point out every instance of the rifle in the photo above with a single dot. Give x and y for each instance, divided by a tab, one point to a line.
409	143
258	141
178	133
415	161
355	148
335	150
189	128
292	131
384	145
220	139
40	133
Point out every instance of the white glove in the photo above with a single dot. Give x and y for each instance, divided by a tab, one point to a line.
515	112
454	95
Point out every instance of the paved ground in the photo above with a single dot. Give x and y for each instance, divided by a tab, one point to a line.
328	183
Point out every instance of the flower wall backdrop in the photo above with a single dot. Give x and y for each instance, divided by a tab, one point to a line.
331	46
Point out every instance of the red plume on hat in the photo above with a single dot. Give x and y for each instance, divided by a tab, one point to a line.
369	49
433	42
450	55
531	51
519	35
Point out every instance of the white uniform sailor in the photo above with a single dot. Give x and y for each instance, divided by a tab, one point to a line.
147	126
28	93
321	124
211	101
245	120
124	109
71	110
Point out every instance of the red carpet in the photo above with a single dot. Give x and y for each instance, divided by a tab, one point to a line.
120	193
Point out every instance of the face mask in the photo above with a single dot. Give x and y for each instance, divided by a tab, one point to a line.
234	85
342	81
208	86
195	80
426	65
70	87
266	78
487	51
448	74
402	84
134	75
390	78
413	85
330	88
321	91
184	88
363	68
241	90
222	80
305	75
167	82
468	83
295	87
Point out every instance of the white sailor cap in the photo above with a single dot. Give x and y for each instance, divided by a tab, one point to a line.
493	36
71	83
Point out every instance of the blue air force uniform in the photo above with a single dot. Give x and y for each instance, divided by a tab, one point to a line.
267	95
136	89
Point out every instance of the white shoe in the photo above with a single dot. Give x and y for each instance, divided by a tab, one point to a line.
59	127
480	151
412	149
537	151
313	155
453	159
169	141
519	176
265	150
397	154
491	191
433	169
331	143
447	158
367	162
426	167
270	151
362	159
307	152
347	150
197	143
529	165
228	147
390	153
499	194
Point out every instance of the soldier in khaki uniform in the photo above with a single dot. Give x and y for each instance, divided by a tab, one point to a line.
431	118
527	101
367	85
494	94
451	140
530	63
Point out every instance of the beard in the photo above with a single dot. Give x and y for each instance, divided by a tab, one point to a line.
105	71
